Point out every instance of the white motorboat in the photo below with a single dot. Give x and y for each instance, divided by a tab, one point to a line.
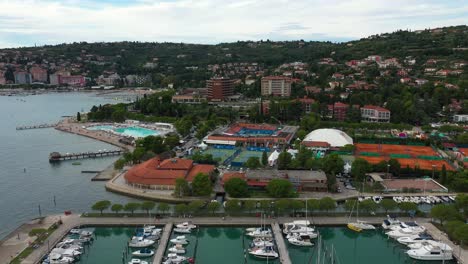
406	225
289	225
183	230
145	252
310	235
377	199
452	198
86	233
390	222
173	258
72	253
413	239
404	232
261	242
137	261
76	231
430	252
179	240
297	229
264	253
64	245
58	259
260	232
178	249
303	241
140	242
186	225
421	244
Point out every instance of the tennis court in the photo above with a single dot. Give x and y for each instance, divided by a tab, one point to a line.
412	163
222	154
385	149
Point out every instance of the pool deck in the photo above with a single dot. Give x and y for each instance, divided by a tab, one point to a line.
158	257
72	221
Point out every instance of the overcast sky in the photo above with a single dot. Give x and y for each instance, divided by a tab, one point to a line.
30	22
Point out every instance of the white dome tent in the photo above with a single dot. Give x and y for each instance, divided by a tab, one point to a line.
334	137
203	146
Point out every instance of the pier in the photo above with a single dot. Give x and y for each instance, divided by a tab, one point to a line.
458	252
158	257
56	156
36	126
282	250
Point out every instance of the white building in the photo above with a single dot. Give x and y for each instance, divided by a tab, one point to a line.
334	137
460	118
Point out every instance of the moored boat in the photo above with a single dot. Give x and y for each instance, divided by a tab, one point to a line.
145	252
264	252
430	252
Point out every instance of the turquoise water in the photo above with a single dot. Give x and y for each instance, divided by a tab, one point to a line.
110	246
214	245
133	131
355	248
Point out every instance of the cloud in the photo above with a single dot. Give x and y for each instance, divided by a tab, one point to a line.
25	22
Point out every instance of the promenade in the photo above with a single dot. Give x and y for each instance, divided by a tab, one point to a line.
69	222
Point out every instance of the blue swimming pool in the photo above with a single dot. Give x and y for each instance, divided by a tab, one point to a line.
132	131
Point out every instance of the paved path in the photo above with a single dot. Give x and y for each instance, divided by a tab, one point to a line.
72	221
158	257
460	254
282	249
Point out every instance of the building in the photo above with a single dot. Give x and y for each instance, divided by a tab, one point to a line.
306	103
302	180
326	138
2	78
162	174
38	74
338	111
22	77
460	118
276	86
70	80
372	113
219	88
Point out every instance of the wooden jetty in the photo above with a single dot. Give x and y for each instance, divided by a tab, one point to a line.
36	126
282	249
56	156
158	257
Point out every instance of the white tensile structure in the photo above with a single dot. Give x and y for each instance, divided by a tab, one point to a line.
273	158
334	137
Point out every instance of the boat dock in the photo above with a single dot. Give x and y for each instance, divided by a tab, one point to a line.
56	156
158	257
458	252
36	126
282	250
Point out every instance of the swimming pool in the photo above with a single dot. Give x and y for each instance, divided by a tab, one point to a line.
132	131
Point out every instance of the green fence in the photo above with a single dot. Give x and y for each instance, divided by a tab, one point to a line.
370	154
429	157
400	156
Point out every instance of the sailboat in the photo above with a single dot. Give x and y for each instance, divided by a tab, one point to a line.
299	234
358	226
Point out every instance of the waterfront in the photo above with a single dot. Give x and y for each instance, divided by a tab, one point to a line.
27	179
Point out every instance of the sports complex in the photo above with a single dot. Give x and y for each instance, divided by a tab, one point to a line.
413	156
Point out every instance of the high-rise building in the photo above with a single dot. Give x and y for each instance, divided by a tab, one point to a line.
276	86
219	88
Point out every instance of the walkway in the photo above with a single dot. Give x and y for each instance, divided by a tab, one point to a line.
460	254
158	257
283	251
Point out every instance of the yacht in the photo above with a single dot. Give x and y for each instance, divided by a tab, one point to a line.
297	229
261	242
145	252
295	224
75	231
390	222
377	199
430	252
186	225
414	239
404	232
421	244
298	240
310	235
137	261
140	242
264	252
178	249
173	258
179	240
413	225
58	259
72	253
183	230
86	233
260	232
360	225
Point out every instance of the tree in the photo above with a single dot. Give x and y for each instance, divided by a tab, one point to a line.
201	185
250	205
284	159
312	205
327	203
281	205
119	164
296	205
101	205
232	206
443	175
331	165
181	208
147	206
78	117
172	141
368	206
264	158
388	205
236	188
163	207
131	207
181	188
253	163
395	167
408	206
280	188
350	204
213	206
194	206
359	169
116	208
444	212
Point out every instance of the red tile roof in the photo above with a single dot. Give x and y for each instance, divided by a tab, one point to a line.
176	164
229	175
199	168
374	107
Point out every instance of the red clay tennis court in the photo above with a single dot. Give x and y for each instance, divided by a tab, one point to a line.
395	149
412	163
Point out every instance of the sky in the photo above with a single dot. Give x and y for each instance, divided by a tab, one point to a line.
39	22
